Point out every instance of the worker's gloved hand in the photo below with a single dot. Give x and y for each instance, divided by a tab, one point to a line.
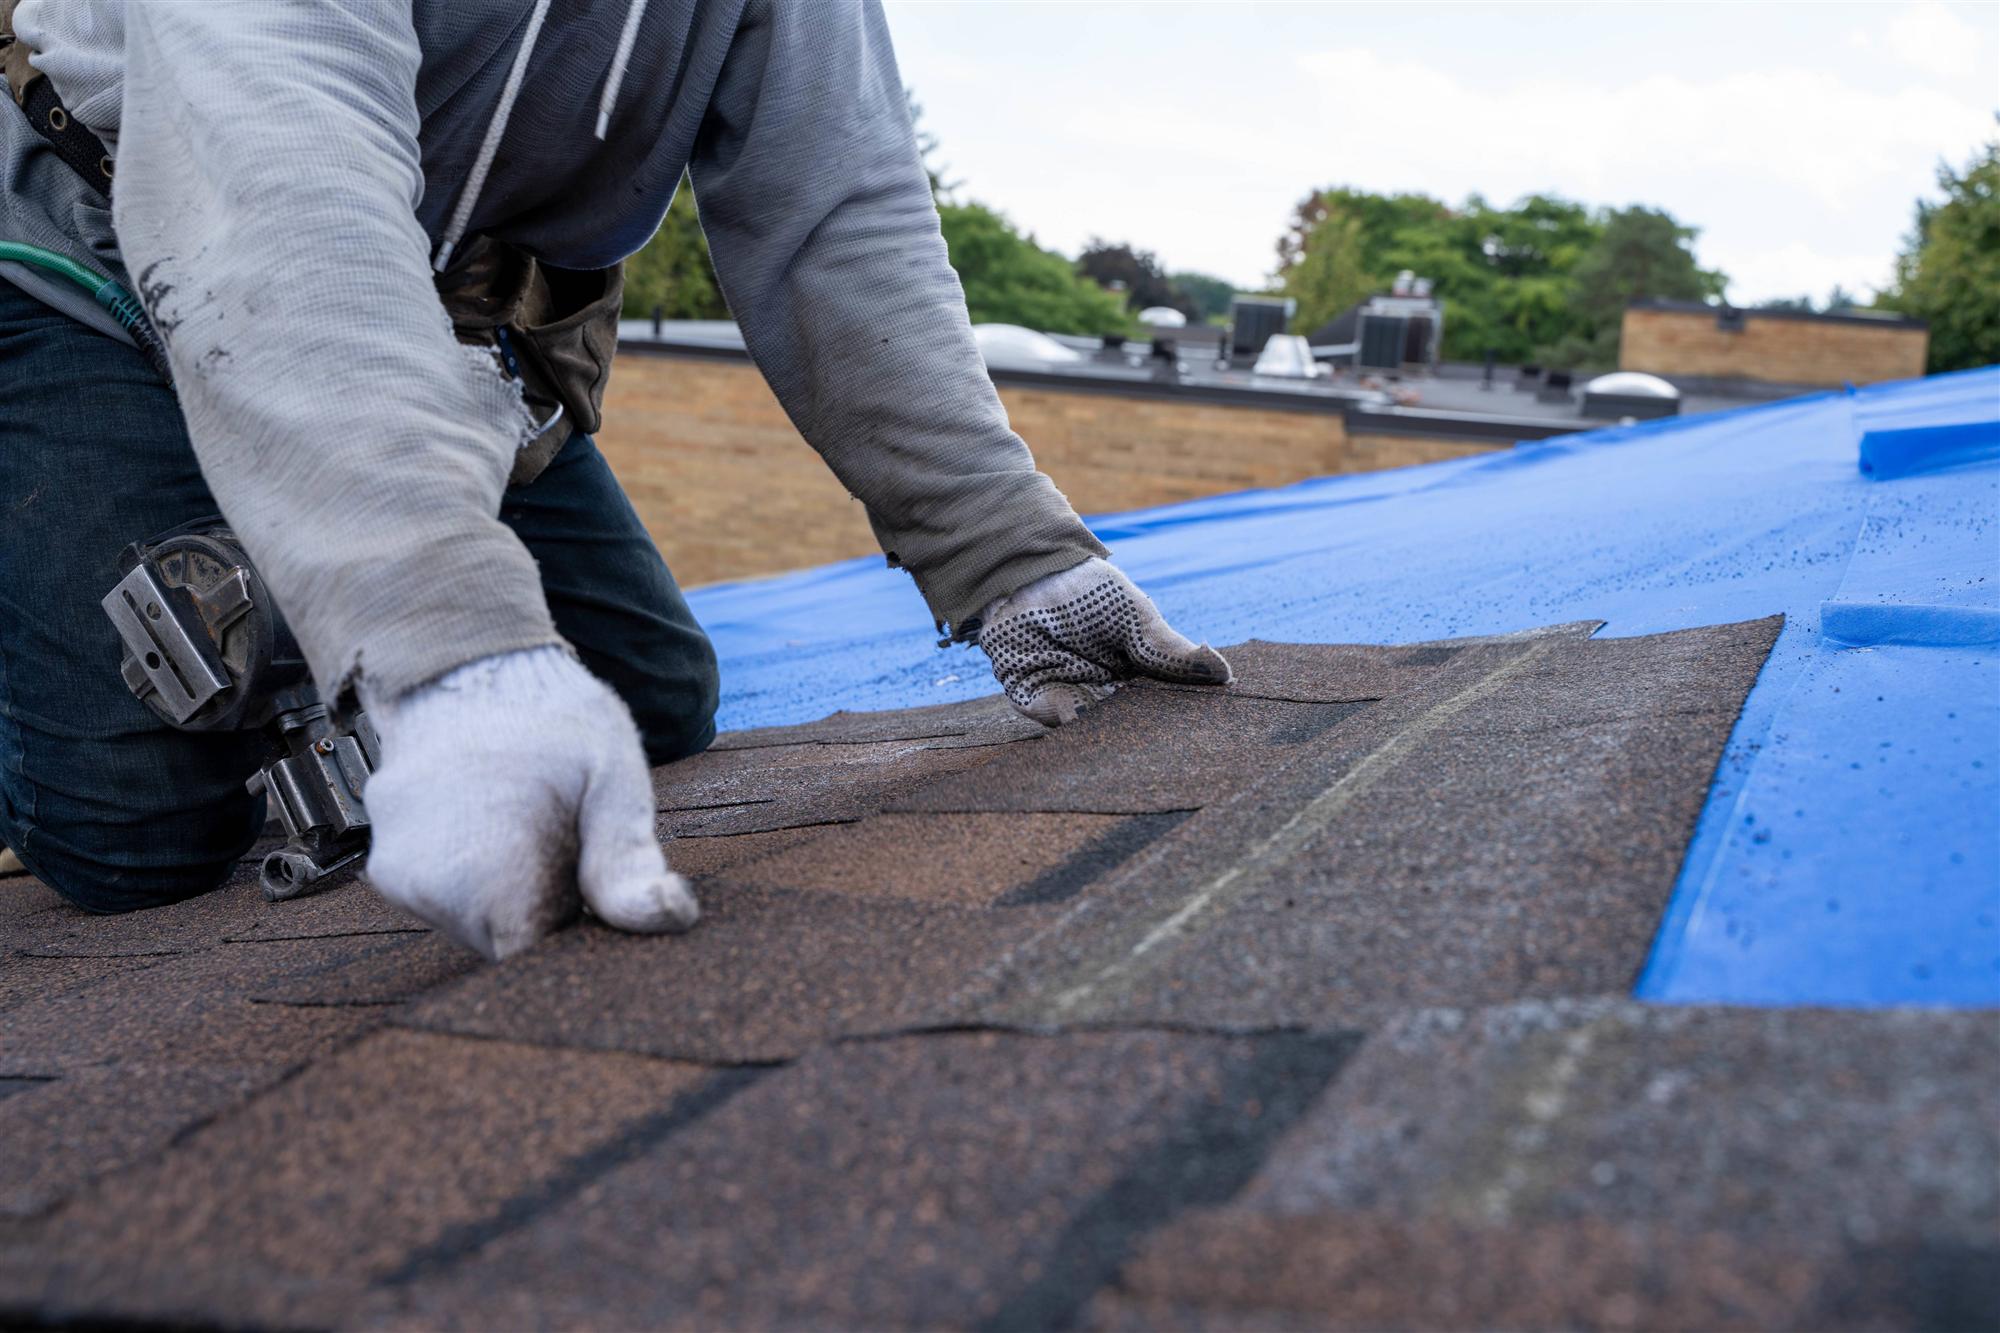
1065	641
507	788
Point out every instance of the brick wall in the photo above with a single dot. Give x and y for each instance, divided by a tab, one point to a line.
1369	452
1773	348
729	490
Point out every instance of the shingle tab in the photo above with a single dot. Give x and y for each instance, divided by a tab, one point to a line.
953	1181
767	976
191	1012
1410	859
987	721
404	1146
976	860
1142	751
1603	1163
60	1133
771	788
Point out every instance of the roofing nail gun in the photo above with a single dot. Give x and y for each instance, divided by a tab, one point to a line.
206	650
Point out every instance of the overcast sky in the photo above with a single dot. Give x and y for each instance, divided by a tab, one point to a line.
1796	136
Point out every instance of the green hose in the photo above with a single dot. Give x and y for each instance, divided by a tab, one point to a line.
108	292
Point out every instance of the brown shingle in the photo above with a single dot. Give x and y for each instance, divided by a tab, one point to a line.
768	975
372	1159
1609	1164
1408	858
1137	753
770	788
195	1011
927	1182
971	860
197	1124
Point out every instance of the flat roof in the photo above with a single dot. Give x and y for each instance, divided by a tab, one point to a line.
1452	402
1872	318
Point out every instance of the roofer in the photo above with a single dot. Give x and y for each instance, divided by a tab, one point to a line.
308	198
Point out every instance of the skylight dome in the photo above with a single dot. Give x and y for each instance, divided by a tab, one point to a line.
1632	384
1012	345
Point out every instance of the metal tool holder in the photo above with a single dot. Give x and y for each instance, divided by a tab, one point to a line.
206	651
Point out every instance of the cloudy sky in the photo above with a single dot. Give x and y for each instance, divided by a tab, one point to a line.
1796	136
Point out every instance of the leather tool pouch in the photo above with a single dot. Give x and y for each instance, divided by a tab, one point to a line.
555	330
36	96
14	55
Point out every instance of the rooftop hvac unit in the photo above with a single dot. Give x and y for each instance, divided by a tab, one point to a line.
1255	320
1382	341
1420	341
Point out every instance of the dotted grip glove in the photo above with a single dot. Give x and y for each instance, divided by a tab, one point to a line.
1066	641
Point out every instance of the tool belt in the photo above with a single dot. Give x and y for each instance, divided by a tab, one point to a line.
553	330
36	97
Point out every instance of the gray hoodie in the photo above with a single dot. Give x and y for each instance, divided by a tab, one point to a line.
289	174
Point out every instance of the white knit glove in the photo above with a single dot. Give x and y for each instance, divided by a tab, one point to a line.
507	787
1066	641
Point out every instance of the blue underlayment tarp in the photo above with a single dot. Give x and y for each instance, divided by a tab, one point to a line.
1849	853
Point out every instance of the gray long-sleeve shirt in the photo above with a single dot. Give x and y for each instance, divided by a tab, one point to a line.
287	172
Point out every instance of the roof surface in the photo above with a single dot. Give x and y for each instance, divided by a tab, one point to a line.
1299	1004
1453	401
1849	851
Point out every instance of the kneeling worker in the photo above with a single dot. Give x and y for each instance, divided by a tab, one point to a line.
376	247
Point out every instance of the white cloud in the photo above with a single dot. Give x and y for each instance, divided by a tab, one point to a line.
1797	147
1638	139
1800	179
1796	268
1927	36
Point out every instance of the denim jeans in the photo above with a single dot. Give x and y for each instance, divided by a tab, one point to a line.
100	799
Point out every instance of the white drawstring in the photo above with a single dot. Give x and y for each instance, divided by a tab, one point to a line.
469	197
623	57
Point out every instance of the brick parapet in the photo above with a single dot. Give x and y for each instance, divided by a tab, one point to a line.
729	490
1771	347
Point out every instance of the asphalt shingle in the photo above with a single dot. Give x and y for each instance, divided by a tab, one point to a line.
952	1181
1351	673
1407	859
1607	1164
975	860
767	976
59	1133
771	788
1136	754
392	1155
875	1087
986	721
190	1012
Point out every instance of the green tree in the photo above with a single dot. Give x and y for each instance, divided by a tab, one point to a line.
1008	279
1521	292
1503	273
1329	276
672	273
1643	254
1949	271
1146	284
1209	294
1383	218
